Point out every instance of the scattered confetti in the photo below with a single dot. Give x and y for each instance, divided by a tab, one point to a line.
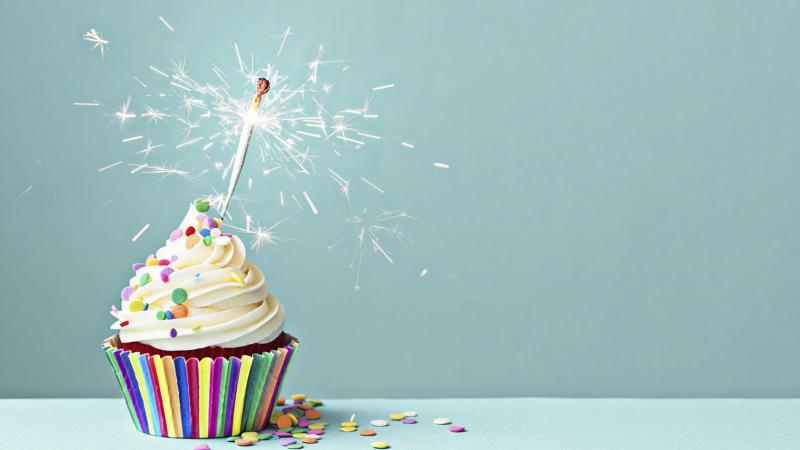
396	416
457	428
379	423
409	420
441	421
367	432
410	414
380	444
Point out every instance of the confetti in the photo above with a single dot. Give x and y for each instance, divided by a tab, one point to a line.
379	423
396	416
173	332
441	421
457	428
367	432
380	444
179	295
409	420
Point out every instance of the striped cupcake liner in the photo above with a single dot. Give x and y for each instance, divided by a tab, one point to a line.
206	398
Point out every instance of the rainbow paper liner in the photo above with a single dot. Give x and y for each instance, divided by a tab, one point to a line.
206	398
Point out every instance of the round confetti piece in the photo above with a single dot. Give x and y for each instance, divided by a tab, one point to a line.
294	446
309	439
161	315
298	397
410	414
284	421
315	402
231	439
207	240
151	262
302	422
126	293
173	332
190	230
237	279
281	401
201	205
396	416
409	420
173	258
264	436
144	279
137	266
163	262
285	442
283	434
192	240
316	426
456	428
348	424
293	419
243	442
202	447
379	423
211	223
136	306
367	432
179	295
215	233
205	232
316	431
380	444
298	435
168	314
252	435
175	235
347	429
313	414
146	306
441	421
179	311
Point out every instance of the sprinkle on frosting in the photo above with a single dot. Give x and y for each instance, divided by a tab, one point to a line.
145	278
179	295
201	205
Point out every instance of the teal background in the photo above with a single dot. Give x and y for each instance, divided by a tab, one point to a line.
619	219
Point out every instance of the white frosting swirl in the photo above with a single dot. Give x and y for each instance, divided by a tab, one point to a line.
228	304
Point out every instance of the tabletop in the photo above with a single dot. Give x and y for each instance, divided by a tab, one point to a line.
509	423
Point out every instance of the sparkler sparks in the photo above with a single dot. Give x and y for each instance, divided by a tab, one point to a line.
295	135
97	40
140	233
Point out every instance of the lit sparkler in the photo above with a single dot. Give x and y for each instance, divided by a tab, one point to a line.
244	140
299	134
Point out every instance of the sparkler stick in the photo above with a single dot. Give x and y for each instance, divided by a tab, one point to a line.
244	140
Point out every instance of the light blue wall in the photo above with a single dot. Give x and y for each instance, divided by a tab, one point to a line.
620	217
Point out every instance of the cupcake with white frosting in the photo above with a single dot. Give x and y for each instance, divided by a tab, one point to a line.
200	349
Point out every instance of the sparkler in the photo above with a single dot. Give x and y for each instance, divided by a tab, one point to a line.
300	134
244	140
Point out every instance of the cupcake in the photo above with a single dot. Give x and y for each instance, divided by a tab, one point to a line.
200	349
